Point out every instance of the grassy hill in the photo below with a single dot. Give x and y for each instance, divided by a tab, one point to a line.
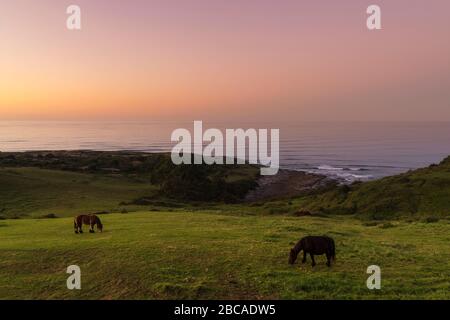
202	255
415	194
67	183
176	234
63	183
33	192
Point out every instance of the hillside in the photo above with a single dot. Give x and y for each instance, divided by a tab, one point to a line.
64	183
415	194
158	243
33	192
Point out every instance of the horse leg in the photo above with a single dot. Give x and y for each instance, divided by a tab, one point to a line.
312	258
304	257
328	260
91	230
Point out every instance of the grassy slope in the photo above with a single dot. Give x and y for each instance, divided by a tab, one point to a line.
35	192
206	255
416	194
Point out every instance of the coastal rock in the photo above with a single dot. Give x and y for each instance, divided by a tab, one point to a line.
285	184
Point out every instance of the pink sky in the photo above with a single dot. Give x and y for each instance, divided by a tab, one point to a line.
222	60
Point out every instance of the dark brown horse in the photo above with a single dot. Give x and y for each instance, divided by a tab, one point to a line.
314	245
88	219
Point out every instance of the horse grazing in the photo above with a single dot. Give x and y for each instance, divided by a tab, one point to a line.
88	219
314	245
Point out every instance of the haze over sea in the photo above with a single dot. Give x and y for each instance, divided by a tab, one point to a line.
346	150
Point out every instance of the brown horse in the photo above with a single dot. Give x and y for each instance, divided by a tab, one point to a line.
88	219
314	245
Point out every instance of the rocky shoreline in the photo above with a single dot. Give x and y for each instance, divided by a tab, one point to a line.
287	184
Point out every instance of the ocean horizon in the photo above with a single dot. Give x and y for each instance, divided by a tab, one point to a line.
347	151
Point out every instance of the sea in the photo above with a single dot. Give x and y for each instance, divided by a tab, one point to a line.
347	151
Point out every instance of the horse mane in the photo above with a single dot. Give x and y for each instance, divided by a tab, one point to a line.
298	247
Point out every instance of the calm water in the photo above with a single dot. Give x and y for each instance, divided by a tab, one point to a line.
346	150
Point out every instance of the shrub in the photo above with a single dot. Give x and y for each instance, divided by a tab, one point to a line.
370	224
431	219
387	225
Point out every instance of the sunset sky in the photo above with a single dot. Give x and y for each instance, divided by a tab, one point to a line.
231	59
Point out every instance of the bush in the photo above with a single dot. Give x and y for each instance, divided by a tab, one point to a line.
387	225
204	183
370	224
431	219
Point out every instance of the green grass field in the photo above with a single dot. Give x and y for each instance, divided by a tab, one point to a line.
34	192
202	255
